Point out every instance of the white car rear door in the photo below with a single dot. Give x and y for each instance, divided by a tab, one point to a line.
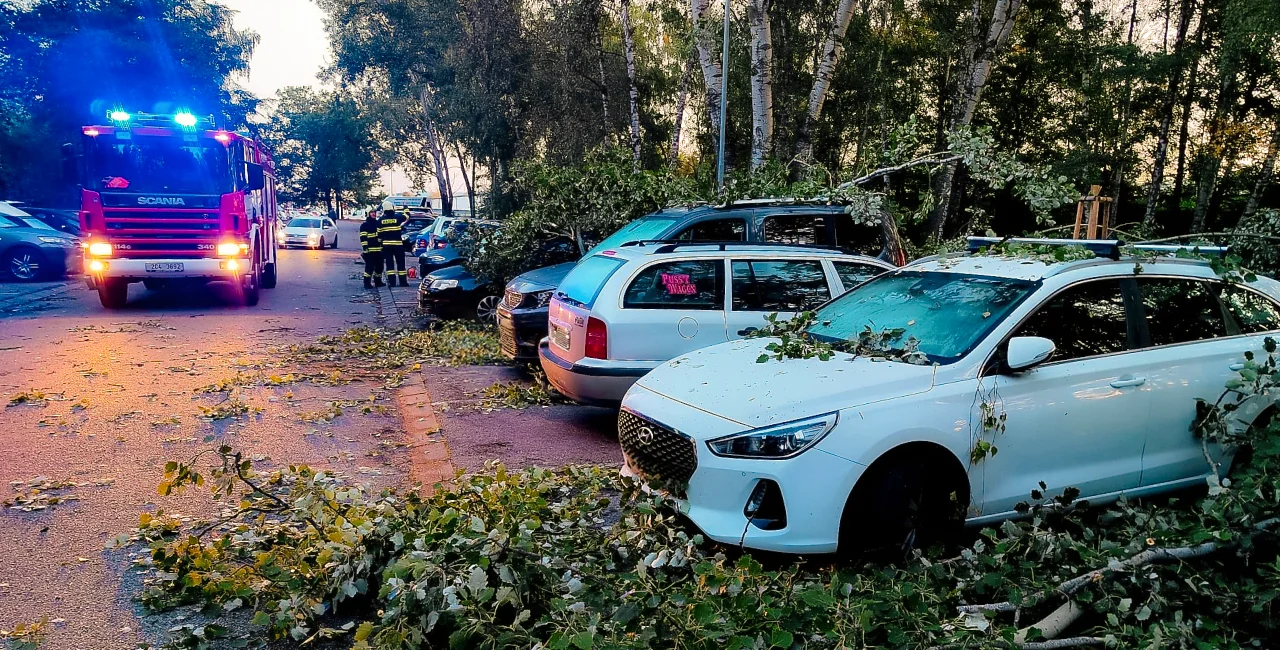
1199	332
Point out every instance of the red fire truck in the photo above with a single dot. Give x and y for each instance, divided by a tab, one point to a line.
167	199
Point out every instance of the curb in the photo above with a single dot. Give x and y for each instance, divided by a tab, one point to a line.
427	449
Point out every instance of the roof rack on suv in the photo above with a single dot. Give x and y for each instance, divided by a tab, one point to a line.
1109	248
670	245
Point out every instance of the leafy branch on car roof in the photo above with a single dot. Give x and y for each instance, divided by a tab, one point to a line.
1046	253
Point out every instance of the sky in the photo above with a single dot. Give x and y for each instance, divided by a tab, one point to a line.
293	46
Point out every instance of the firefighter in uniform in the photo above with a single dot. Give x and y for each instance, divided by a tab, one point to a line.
391	235
371	250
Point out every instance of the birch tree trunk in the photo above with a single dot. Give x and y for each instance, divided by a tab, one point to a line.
761	81
466	180
1123	141
978	57
604	85
438	156
1166	117
711	70
1217	150
629	44
1265	175
822	76
682	101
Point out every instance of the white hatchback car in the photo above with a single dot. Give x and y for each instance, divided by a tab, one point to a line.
1094	366
309	232
623	312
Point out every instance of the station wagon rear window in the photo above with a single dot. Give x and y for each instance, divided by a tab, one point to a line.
584	282
949	313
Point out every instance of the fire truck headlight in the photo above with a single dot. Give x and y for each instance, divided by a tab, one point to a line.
231	249
97	265
230	265
100	248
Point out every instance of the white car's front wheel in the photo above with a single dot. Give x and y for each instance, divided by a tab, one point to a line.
903	502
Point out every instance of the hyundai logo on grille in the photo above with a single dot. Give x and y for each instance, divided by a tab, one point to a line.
645	435
161	200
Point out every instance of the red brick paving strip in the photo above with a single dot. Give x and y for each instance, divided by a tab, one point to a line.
427	448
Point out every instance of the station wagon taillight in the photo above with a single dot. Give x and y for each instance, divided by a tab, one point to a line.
597	339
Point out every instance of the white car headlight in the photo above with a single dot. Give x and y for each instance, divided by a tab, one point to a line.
778	441
57	241
444	284
435	259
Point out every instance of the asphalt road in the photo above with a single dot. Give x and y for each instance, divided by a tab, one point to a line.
120	399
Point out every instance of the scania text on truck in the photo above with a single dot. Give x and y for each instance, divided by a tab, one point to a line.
170	198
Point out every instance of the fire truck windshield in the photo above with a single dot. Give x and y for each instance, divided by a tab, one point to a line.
159	164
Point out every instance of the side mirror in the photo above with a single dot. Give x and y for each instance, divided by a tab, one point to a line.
1026	352
257	176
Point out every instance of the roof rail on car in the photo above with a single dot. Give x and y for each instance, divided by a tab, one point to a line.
1109	248
670	245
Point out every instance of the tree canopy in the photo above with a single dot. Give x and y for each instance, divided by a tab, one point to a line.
65	63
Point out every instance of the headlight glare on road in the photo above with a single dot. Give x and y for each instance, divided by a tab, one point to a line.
778	441
100	248
544	297
232	248
444	284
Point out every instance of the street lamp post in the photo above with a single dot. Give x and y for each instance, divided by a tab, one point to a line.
724	98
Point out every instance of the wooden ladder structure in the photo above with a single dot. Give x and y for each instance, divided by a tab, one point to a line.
1097	217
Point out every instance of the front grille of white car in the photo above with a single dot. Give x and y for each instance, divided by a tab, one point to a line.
656	451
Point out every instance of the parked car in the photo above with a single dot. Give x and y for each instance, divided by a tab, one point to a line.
29	253
452	291
309	232
441	249
625	311
1093	365
415	223
523	315
64	221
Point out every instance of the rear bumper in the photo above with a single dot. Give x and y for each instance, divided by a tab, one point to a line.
594	381
136	269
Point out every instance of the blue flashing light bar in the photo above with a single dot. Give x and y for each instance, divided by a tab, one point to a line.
119	116
185	119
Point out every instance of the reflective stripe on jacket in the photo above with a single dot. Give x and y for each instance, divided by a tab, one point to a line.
391	230
369	241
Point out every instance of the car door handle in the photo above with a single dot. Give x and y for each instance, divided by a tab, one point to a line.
1125	382
1235	367
748	331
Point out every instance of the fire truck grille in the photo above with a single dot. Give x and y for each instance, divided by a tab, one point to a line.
657	452
169	233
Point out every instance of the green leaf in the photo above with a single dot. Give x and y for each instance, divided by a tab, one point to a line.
583	640
363	631
781	639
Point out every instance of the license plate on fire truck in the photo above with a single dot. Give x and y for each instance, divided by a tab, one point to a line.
167	267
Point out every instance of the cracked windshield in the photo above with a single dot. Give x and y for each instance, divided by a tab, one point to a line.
639	324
